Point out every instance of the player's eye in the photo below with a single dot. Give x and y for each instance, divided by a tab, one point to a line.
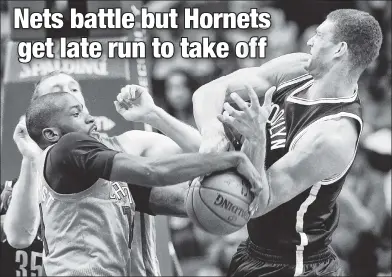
76	114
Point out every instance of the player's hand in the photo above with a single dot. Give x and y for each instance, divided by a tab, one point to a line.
104	124
247	170
27	147
251	119
134	103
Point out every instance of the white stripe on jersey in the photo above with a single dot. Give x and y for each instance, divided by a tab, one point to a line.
299	266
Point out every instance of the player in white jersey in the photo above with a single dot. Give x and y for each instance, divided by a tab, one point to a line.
86	208
145	261
146	144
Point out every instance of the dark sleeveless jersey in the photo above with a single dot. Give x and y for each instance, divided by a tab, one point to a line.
306	222
21	262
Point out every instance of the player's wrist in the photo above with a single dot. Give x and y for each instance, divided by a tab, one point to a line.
29	161
155	117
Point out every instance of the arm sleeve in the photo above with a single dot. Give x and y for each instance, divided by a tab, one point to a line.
141	196
76	162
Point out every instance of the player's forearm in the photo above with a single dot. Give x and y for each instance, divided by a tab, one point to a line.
22	218
169	200
208	103
187	137
256	151
153	172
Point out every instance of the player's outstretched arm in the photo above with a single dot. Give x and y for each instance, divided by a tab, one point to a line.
22	218
208	99
134	103
322	155
85	156
157	172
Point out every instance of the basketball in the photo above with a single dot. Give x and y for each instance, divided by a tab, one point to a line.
220	204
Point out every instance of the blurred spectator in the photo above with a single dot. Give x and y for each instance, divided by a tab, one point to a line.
179	87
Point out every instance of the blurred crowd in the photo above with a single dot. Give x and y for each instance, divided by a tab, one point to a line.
363	238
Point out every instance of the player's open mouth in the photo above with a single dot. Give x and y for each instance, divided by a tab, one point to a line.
93	129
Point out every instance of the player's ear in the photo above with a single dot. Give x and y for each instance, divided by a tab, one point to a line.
341	49
51	135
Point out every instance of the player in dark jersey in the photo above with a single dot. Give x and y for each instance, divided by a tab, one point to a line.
303	147
17	262
86	209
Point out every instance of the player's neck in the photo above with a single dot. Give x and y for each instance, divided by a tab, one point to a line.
333	84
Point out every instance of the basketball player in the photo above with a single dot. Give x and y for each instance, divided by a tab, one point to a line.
308	141
17	262
86	209
135	142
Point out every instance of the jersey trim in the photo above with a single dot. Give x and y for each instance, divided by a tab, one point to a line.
293	81
308	102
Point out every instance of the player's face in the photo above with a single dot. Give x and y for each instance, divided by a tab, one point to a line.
62	82
322	49
72	117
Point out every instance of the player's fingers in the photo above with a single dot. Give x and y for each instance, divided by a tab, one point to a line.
230	110
138	91
239	101
132	91
119	107
120	96
254	99
231	122
268	96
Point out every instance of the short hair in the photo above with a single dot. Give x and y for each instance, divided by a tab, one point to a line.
362	33
36	92
40	113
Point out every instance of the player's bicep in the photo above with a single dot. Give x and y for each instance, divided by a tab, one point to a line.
317	158
160	145
147	144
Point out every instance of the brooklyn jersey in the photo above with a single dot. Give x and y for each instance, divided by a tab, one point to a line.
88	232
305	223
144	260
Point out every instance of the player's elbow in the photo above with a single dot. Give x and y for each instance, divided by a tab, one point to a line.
211	88
20	243
17	239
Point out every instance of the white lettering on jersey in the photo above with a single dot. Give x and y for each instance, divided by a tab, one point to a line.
46	196
119	191
277	130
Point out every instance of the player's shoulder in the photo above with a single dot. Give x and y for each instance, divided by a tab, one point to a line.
72	141
339	133
286	68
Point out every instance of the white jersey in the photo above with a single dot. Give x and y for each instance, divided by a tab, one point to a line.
144	260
